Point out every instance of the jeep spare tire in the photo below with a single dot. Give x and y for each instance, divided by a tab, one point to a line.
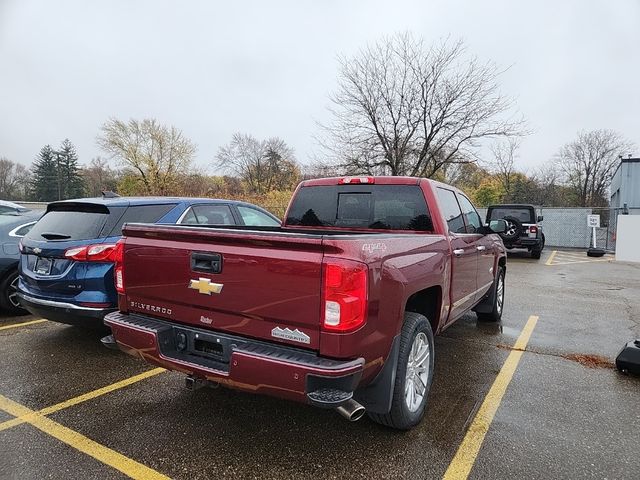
514	229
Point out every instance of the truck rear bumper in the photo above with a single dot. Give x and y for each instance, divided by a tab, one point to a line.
237	362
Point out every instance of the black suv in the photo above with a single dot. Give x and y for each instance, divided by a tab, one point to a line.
523	227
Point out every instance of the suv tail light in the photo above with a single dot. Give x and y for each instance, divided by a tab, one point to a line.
118	271
92	253
344	295
533	229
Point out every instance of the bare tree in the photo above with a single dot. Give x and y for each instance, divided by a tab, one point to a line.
503	164
14	180
99	177
404	109
588	162
264	165
155	153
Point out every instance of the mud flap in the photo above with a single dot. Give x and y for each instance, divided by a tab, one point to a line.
486	304
378	395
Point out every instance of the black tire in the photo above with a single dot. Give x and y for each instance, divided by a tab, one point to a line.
514	229
8	297
536	254
498	299
400	416
596	252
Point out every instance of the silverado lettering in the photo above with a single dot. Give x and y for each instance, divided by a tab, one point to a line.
337	307
150	308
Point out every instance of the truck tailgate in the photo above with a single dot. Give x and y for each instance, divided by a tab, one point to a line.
258	284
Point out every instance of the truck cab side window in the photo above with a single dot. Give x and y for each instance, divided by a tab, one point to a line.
451	210
471	217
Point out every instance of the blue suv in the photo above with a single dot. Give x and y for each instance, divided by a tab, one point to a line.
67	258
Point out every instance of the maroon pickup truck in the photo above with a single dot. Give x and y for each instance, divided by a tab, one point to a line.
336	308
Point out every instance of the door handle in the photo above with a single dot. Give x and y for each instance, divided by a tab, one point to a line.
481	248
206	262
458	252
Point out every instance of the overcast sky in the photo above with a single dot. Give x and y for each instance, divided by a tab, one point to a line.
212	68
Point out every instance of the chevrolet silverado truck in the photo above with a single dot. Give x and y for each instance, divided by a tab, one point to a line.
336	308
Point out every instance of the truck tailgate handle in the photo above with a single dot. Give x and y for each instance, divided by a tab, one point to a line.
206	262
458	252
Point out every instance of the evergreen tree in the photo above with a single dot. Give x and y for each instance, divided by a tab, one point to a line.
44	181
72	183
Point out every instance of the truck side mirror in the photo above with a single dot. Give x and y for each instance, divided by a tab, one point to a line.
540	218
498	226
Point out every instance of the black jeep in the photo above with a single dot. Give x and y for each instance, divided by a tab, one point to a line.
523	227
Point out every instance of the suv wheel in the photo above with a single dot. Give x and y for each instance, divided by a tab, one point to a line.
9	294
498	300
413	375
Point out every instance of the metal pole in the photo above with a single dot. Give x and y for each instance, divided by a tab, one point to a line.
594	237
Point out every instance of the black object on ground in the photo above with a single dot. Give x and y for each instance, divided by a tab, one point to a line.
595	252
628	360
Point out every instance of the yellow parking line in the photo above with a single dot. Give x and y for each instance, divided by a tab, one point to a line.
550	259
81	398
584	261
23	324
465	457
116	460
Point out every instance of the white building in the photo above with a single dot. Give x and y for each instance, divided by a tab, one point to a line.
625	185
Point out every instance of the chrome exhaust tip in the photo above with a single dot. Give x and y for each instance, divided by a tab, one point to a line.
351	410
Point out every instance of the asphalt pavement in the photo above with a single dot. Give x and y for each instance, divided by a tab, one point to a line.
565	412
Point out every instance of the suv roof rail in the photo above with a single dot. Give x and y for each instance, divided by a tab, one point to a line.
109	194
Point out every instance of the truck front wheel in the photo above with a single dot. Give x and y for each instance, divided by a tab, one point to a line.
413	375
495	314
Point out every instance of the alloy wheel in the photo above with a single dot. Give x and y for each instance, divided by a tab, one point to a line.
417	374
13	293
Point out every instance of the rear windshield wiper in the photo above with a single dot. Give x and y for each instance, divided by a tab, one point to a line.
55	236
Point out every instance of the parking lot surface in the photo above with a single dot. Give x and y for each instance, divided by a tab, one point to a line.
564	413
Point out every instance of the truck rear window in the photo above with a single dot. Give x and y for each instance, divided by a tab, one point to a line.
391	207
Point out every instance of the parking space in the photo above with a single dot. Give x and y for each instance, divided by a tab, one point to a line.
552	407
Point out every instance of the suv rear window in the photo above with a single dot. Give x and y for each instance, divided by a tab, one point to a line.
84	221
393	207
524	214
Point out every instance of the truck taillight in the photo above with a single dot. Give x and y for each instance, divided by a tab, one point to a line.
92	253
118	271
355	180
344	305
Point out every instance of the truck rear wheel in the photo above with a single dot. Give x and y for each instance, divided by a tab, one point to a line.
413	375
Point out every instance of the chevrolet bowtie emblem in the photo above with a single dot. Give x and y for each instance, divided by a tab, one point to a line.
204	286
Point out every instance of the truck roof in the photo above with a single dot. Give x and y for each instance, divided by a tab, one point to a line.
378	180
